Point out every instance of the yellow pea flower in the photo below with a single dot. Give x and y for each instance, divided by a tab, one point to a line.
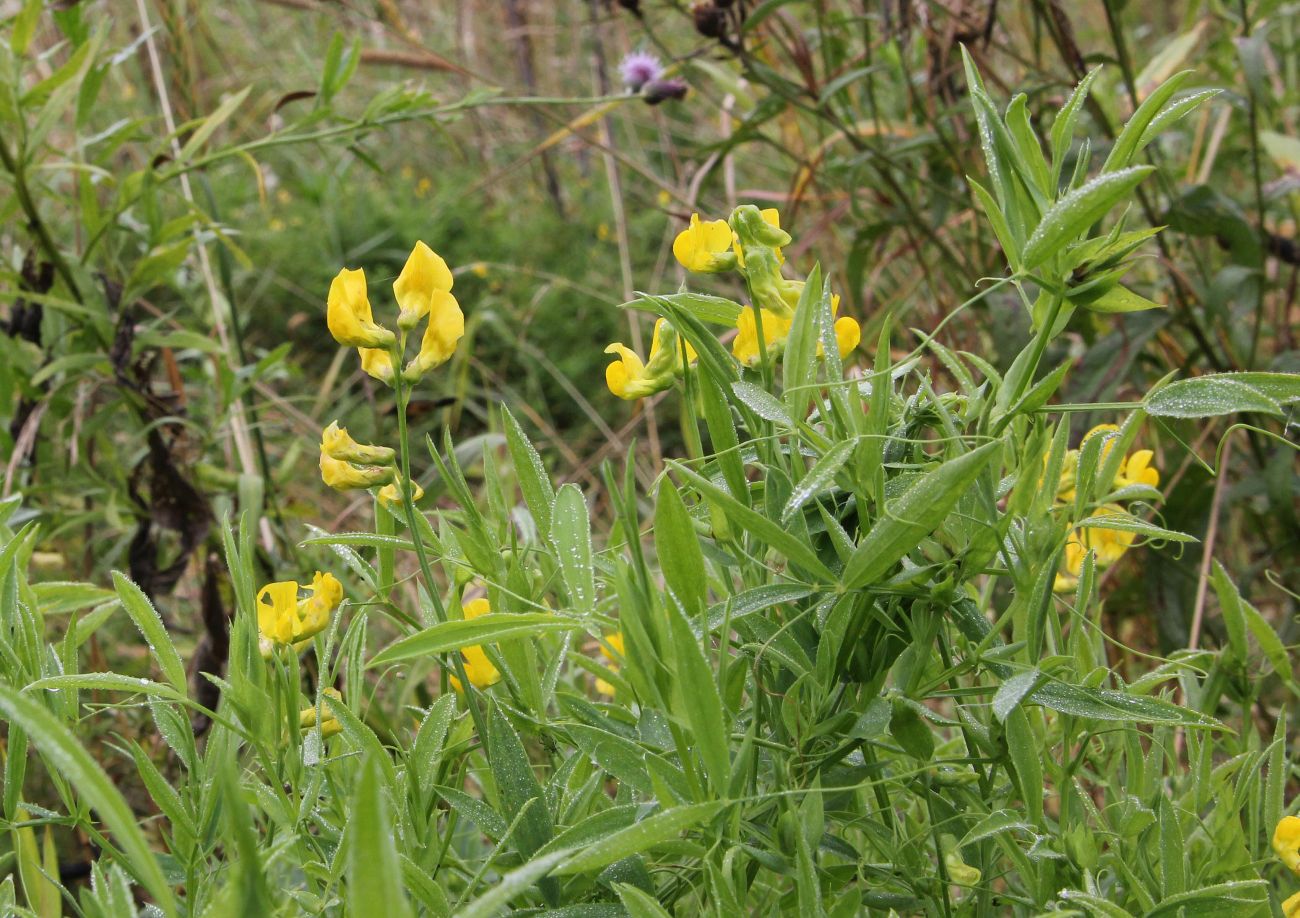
1291	907
614	643
445	329
848	335
344	476
478	668
329	724
377	363
1108	546
705	247
1139	470
1286	842
772	217
389	496
425	278
335	443
745	346
348	313
629	378
284	618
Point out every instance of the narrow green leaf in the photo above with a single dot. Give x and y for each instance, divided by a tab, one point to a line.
1134	134
697	695
1078	210
680	557
490	628
661	827
539	494
374	872
571	537
820	477
517	786
146	618
1224	393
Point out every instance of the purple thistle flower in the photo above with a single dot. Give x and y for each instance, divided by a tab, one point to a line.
639	68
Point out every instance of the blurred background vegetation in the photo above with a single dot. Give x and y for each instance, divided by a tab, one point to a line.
183	178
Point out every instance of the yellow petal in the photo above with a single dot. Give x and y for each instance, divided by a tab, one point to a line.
337	444
314	611
389	496
446	327
478	668
745	346
329	724
847	335
684	345
1291	907
476	607
704	247
377	363
424	275
1139	470
277	611
348	313
625	376
345	476
1286	842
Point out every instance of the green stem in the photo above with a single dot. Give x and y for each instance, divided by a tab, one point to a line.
403	395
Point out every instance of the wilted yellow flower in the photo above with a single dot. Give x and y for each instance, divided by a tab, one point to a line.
1107	545
335	443
630	378
478	668
348	313
705	247
345	476
285	618
390	497
615	644
329	724
1286	842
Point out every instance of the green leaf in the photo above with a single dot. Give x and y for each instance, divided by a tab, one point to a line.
1229	900
1123	522
641	836
76	765
715	309
639	904
211	123
535	484
696	694
1110	705
362	539
373	870
761	402
146	618
820	477
571	537
1023	750
1010	244
1134	135
758	526
490	628
491	903
1078	210
1224	393
516	787
680	557
1120	299
1013	691
1063	127
914	515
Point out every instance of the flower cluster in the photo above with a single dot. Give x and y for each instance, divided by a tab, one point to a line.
1107	545
346	465
749	243
423	289
290	613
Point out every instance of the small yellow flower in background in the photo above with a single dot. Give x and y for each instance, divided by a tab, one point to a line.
329	724
602	232
772	217
284	618
389	496
705	247
615	643
479	269
630	378
663	198
335	443
423	187
277	225
283	196
478	668
1286	842
348	313
1108	546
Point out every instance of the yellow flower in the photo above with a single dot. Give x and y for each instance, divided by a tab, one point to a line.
425	279
1286	842
329	724
344	476
377	363
630	378
772	217
1107	545
335	443
423	187
479	269
446	327
745	346
1291	907
663	198
614	643
848	334
284	618
390	497
478	668
705	248
348	313
1137	469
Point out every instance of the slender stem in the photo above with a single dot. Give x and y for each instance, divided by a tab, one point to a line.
403	395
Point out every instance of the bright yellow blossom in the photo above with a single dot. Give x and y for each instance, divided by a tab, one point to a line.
446	327
478	668
705	247
1137	469
630	378
424	286
1107	545
1286	842
335	443
1291	907
776	328
329	724
348	313
284	618
614	643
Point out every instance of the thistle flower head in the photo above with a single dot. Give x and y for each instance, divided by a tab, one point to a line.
639	68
